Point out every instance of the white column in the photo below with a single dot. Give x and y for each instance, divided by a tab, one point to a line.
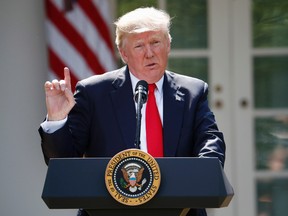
23	69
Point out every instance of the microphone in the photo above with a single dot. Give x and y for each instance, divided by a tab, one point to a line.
141	92
140	97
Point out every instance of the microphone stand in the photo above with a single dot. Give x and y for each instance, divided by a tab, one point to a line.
138	121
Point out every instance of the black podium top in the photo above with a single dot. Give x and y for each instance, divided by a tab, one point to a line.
185	183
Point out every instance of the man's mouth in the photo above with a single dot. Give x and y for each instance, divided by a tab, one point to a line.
151	65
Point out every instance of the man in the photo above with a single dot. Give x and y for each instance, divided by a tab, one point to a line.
99	120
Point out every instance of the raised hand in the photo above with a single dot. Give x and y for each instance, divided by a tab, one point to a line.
59	97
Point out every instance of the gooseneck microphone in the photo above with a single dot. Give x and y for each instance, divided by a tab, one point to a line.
140	97
141	92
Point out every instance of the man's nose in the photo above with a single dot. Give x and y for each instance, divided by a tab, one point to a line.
149	51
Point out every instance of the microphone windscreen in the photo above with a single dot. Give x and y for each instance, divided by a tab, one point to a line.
142	89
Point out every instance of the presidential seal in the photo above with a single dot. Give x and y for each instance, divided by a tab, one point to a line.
132	177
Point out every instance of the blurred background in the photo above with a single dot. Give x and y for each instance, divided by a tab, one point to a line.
240	47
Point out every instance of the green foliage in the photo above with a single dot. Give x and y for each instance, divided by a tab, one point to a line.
268	137
125	6
196	67
189	23
270	82
270	23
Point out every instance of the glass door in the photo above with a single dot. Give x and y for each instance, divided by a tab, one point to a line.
260	54
270	80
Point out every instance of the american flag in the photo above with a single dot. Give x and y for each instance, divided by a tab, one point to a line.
78	36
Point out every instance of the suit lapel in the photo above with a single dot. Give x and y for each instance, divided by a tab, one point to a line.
173	105
122	100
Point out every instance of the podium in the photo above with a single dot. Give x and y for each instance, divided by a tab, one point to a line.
79	183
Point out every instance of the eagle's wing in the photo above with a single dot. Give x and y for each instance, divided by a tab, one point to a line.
139	175
125	175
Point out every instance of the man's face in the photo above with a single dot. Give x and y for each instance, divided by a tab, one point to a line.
146	54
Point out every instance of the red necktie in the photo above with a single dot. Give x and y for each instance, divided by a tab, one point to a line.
153	125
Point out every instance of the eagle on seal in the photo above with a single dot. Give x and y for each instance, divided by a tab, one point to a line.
132	178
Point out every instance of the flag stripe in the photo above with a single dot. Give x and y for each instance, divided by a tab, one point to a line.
67	53
73	37
78	37
94	15
57	66
91	35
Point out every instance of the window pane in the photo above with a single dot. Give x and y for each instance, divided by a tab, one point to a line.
271	136
189	23
124	6
270	23
271	82
195	67
272	197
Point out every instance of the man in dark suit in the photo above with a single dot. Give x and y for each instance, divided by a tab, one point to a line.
99	120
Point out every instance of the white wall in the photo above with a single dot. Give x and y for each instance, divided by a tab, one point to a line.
23	71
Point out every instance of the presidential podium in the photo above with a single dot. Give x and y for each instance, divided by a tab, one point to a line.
79	183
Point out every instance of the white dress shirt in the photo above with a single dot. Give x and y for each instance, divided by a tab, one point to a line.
159	101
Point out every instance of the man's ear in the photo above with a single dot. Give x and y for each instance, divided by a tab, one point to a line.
169	46
123	55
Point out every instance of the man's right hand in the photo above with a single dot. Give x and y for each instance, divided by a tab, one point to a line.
59	97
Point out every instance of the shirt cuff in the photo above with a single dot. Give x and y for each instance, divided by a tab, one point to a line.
52	126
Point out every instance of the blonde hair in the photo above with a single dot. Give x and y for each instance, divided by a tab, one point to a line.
142	20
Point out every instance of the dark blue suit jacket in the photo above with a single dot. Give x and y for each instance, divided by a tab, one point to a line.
103	121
